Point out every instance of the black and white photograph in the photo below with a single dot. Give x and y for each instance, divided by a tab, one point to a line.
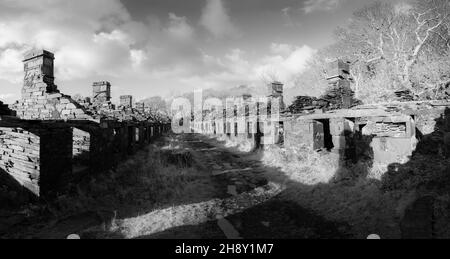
224	127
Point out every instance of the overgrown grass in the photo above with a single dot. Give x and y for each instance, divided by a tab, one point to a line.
301	165
236	144
146	182
371	197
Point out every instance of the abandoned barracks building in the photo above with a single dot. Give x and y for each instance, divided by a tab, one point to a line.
332	121
47	137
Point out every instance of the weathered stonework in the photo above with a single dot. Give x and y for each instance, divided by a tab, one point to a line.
55	140
140	107
387	133
41	99
126	102
101	92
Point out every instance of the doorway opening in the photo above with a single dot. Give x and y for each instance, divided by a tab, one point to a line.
327	137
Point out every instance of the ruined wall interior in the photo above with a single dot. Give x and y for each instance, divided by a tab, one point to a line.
55	139
394	129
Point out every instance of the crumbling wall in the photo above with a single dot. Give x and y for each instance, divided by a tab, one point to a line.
54	140
44	156
303	132
392	137
126	101
40	96
20	156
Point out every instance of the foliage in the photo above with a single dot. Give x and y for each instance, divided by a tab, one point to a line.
392	46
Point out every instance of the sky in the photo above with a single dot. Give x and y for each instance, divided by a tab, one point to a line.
166	47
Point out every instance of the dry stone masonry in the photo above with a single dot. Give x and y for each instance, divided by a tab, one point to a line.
126	101
339	123
41	99
54	139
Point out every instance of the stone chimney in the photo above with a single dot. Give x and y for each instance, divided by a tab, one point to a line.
338	70
339	93
140	107
101	92
275	90
39	76
126	101
41	99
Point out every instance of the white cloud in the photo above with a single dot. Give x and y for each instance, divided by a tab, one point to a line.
179	28
289	21
10	69
86	36
321	5
216	20
285	61
98	40
138	57
280	48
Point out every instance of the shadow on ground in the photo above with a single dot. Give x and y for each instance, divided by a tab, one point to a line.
348	206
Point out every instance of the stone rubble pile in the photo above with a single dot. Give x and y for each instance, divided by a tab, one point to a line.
404	96
303	104
339	94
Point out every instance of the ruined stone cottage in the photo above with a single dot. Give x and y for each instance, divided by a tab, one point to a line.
48	139
336	122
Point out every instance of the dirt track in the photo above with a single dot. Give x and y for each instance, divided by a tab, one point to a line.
240	203
238	173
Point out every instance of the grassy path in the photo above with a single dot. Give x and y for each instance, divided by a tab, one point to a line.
185	186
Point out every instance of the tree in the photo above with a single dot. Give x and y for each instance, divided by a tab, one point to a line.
156	104
313	80
392	42
433	76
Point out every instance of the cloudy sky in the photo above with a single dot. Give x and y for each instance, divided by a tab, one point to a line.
165	47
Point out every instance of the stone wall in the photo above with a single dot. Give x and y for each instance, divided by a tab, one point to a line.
41	99
20	156
54	140
44	156
101	92
126	101
392	130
